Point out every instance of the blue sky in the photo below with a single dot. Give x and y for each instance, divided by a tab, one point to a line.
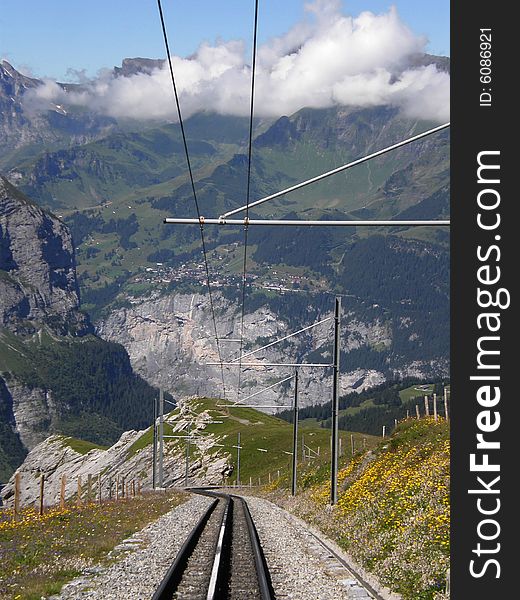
48	38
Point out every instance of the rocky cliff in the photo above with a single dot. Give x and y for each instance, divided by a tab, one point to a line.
55	375
38	278
170	340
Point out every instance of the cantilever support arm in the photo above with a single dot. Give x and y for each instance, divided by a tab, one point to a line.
296	223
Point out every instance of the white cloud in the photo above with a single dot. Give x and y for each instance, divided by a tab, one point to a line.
328	58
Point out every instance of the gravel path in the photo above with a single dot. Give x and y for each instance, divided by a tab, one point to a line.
301	568
142	560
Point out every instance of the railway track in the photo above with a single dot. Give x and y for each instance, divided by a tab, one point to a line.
221	559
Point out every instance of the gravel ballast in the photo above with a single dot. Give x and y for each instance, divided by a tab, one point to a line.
300	566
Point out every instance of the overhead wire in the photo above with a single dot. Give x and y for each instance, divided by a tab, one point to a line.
248	195
190	171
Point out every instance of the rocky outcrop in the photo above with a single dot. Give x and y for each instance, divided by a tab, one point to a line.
37	268
128	458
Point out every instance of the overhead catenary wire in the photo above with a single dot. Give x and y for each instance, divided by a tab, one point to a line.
248	193
190	171
286	337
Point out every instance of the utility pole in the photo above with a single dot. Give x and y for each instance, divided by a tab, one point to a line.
161	437
295	434
238	459
187	456
154	453
335	405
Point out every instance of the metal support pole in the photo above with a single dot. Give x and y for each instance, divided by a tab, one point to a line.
161	438
335	405
295	434
186	475
154	452
238	459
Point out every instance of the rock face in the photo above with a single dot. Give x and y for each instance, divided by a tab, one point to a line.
38	278
170	340
47	348
129	458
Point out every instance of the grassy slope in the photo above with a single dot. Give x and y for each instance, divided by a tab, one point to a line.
393	511
260	430
40	554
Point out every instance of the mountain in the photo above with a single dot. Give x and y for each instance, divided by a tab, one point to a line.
25	131
55	374
143	282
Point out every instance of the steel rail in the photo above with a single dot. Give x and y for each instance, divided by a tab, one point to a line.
262	572
213	588
176	570
219	577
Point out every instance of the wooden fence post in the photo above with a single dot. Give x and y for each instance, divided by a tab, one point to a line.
133	488
110	487
435	406
99	488
139	487
16	511
417	411
89	488
79	489
62	490
42	491
426	406
117	488
446	404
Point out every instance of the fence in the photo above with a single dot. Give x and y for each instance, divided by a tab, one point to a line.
86	492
